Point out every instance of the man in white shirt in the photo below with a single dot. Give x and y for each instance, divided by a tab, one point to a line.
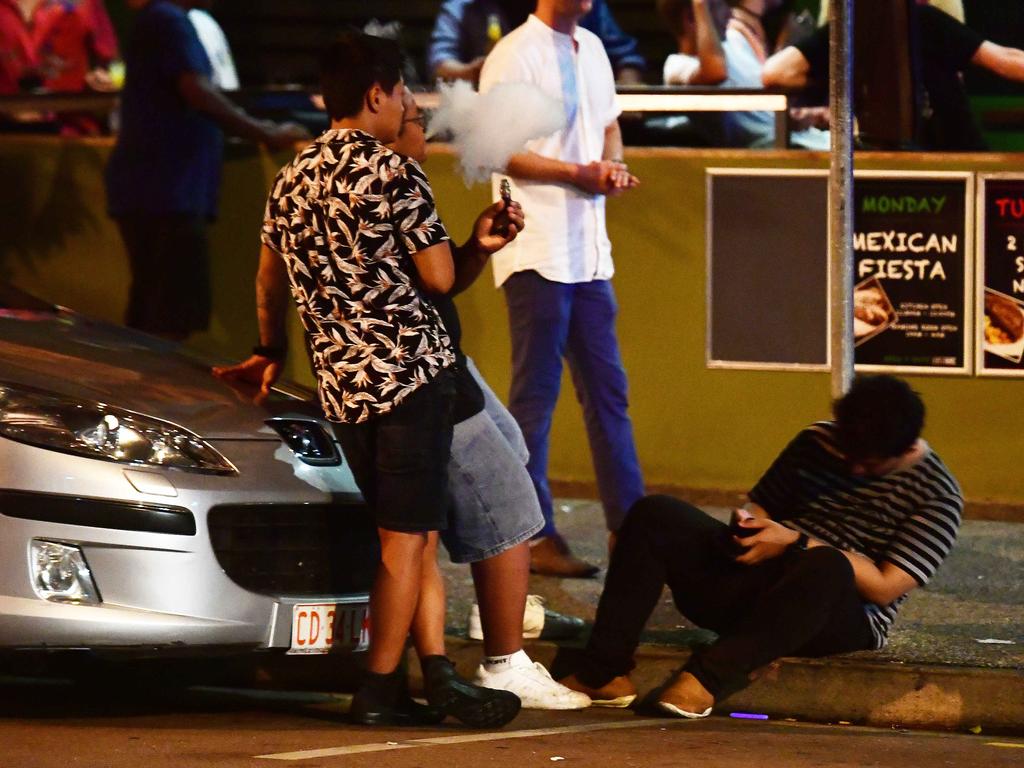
556	273
215	43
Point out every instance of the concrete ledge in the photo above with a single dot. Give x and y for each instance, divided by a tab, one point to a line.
836	689
977	509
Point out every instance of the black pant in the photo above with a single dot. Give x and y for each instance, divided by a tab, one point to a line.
802	603
170	291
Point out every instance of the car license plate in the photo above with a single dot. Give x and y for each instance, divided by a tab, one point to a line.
323	627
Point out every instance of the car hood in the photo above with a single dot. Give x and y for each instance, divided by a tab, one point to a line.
66	353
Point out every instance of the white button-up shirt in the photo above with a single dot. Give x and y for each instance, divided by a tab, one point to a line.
565	239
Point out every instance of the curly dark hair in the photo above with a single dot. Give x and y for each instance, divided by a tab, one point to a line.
881	417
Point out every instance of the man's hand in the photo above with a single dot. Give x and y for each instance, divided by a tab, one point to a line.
771	540
257	371
100	80
630	76
497	226
284	135
453	69
605	177
801	118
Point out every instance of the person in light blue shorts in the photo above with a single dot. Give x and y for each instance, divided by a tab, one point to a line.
493	510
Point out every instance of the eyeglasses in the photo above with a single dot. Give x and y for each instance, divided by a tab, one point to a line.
420	120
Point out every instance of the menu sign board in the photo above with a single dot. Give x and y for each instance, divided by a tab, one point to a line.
1001	270
911	272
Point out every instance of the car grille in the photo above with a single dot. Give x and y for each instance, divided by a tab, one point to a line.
314	549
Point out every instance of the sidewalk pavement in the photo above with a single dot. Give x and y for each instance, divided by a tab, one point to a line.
955	658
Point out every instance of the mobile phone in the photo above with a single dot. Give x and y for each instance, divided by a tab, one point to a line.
739	515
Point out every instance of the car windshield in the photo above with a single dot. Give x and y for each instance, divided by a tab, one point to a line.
13	298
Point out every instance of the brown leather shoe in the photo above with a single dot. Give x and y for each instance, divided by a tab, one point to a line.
619	692
550	556
686	697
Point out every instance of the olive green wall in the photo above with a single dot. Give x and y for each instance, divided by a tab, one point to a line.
695	427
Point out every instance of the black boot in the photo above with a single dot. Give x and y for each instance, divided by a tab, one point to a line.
385	700
474	705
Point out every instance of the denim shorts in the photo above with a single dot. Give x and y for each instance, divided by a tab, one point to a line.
493	502
400	459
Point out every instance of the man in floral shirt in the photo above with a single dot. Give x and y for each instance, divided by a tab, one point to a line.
352	227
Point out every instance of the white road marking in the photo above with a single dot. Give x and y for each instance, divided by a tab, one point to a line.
466	738
1005	745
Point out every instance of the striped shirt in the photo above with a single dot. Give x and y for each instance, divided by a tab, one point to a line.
909	517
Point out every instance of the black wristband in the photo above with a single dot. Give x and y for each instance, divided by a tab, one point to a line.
802	540
271	353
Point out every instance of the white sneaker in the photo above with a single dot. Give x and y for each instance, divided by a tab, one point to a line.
538	622
532	683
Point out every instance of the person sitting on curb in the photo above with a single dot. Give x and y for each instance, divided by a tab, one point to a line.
851	516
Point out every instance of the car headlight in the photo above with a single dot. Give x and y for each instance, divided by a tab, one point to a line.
60	573
99	431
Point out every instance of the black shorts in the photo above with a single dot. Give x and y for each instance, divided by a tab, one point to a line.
400	460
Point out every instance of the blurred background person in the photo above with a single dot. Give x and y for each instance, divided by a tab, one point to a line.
55	45
215	43
466	31
58	46
163	177
954	8
947	48
733	62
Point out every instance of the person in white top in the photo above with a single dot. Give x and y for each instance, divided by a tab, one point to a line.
556	273
215	43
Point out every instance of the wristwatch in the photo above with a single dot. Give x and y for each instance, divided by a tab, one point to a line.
801	542
271	353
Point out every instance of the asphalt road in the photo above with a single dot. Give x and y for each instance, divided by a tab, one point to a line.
51	724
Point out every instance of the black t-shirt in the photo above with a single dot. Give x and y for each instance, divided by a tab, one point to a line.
947	47
469	398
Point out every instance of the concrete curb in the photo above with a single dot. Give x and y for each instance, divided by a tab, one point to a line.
881	694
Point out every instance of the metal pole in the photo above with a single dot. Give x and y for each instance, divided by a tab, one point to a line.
840	196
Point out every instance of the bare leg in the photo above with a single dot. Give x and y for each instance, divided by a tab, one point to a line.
428	622
501	584
395	597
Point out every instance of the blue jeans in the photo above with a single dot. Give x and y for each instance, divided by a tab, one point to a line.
550	321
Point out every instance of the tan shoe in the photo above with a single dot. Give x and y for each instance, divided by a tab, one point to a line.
550	556
686	697
619	692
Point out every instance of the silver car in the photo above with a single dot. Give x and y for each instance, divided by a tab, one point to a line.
146	506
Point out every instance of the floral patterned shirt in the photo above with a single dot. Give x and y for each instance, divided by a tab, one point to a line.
347	215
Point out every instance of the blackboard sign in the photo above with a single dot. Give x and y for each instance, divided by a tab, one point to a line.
768	270
1001	276
911	273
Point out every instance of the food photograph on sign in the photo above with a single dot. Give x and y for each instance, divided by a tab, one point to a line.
1004	326
911	272
1000	327
872	310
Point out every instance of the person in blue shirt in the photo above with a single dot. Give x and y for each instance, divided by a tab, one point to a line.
466	30
163	178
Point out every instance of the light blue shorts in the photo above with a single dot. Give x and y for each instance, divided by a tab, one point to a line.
493	503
